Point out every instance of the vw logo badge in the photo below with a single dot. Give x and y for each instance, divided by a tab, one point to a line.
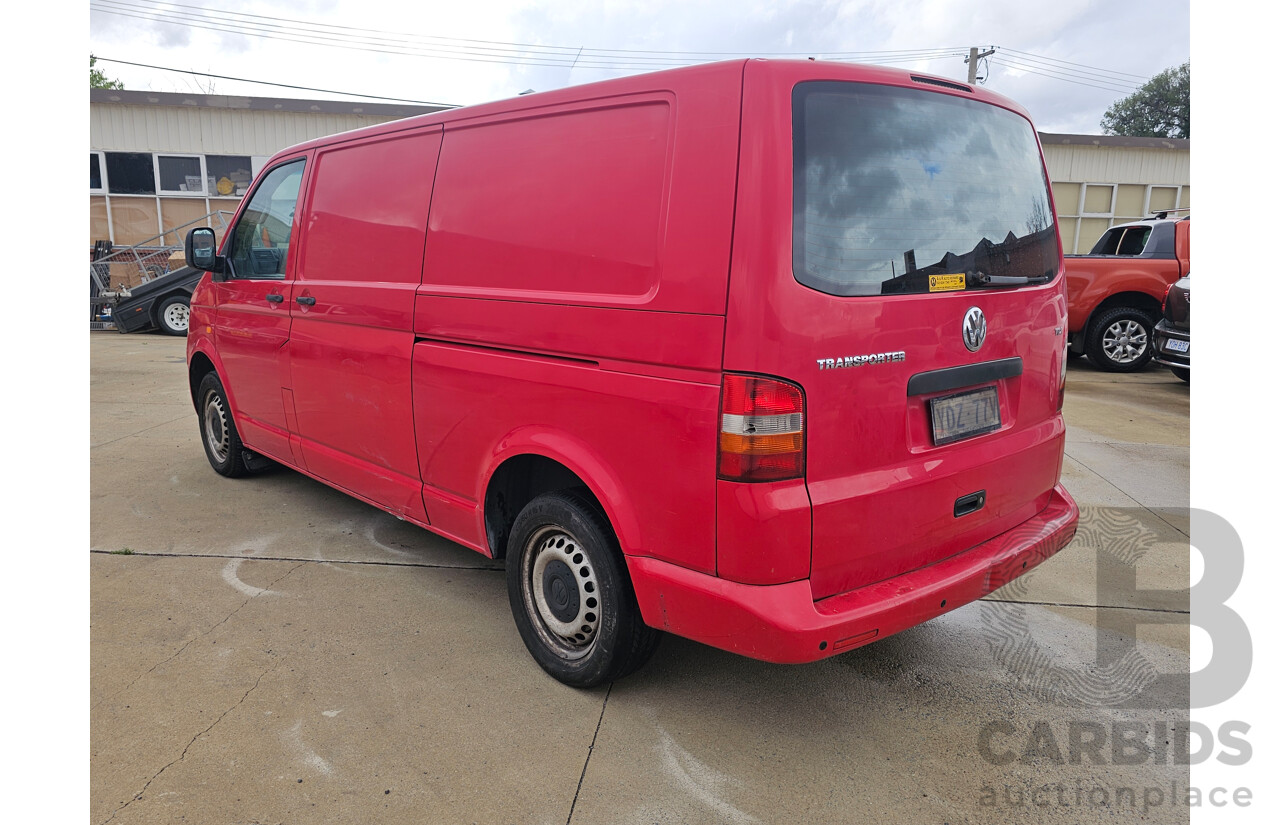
975	329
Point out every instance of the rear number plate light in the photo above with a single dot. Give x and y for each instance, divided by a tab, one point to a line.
964	415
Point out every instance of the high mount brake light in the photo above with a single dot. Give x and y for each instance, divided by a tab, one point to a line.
761	429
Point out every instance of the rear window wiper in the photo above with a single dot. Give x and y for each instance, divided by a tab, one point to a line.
982	279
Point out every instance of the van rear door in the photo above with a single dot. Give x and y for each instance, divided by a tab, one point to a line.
899	261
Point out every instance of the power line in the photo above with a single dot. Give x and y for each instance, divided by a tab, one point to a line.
1032	70
1075	73
1079	65
552	56
205	15
372	40
322	39
1035	71
282	85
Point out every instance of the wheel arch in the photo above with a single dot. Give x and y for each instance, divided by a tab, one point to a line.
200	364
545	462
1141	301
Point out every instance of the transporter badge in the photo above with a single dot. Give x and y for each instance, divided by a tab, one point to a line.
858	360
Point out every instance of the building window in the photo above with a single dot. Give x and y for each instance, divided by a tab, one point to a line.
1099	199
1160	198
180	173
1087	210
230	175
155	197
95	172
130	173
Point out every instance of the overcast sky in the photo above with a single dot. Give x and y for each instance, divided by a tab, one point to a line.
1065	61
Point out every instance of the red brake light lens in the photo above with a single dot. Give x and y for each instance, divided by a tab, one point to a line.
761	429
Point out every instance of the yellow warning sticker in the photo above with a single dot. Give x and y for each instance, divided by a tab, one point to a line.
946	283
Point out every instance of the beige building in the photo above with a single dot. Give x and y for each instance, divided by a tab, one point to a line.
158	161
1100	181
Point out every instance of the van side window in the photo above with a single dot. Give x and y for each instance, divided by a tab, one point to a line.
260	241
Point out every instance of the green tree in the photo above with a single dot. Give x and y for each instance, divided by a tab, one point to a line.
1161	108
98	80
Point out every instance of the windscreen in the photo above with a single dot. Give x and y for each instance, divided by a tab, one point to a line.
908	191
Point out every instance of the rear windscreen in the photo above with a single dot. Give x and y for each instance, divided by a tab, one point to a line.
895	189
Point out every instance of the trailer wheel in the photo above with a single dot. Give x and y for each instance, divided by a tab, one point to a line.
570	594
173	317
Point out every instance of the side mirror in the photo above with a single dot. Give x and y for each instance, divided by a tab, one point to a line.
202	249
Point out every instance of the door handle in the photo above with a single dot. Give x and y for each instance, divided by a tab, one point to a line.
971	503
306	300
275	299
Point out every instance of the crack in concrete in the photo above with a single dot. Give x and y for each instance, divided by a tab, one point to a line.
1090	606
1123	492
194	739
590	749
139	432
189	642
426	565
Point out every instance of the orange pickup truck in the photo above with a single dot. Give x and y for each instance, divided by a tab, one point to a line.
1114	293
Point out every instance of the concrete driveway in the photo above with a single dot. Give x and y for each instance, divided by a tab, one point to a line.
268	650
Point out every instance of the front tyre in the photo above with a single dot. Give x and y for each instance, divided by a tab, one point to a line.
173	316
222	443
1181	372
570	595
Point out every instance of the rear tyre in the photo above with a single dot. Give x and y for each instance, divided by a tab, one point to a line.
222	443
570	594
173	315
1120	340
1181	372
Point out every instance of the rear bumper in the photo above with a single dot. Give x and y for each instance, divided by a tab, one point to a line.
782	623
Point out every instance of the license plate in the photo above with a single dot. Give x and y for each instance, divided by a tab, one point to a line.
1174	345
964	415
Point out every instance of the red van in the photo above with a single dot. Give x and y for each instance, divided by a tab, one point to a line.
766	354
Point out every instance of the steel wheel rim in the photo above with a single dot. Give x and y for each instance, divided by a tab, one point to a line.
217	435
1124	341
177	316
548	598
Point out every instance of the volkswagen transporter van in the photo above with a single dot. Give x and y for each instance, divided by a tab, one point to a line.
766	354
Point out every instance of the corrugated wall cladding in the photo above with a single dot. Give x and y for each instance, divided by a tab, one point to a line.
1118	165
114	127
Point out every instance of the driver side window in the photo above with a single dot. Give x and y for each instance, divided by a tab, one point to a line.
260	241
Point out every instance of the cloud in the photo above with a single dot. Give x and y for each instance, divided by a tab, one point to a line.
618	37
172	35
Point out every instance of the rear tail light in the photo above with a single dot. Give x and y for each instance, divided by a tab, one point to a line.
761	429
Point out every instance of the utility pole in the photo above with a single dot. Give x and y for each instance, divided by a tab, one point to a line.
973	59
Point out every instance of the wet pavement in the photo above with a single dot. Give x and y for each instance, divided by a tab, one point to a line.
269	650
